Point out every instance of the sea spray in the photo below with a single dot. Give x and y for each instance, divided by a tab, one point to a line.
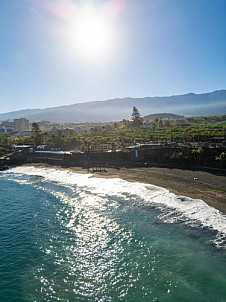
173	208
74	237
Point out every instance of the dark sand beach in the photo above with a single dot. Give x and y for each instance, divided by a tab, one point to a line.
209	187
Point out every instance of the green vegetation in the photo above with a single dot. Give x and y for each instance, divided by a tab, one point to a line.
137	120
3	151
198	131
221	158
36	134
197	142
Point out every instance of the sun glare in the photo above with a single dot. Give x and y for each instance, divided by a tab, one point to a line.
92	33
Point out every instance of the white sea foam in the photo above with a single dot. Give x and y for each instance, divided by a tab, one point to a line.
173	208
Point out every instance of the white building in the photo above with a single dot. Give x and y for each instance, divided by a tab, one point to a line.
21	124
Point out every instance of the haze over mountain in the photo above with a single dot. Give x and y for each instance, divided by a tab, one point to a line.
152	117
190	104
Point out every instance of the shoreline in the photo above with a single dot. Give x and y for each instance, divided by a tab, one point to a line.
195	184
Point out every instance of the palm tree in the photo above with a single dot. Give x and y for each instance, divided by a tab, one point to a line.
221	158
87	143
153	127
173	132
113	145
197	155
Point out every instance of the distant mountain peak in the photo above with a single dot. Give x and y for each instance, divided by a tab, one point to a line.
191	104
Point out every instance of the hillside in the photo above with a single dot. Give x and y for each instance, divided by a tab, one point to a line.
151	117
191	104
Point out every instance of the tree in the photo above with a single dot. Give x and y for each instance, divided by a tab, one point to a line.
197	155
221	158
224	129
173	133
156	120
45	135
113	146
37	133
87	144
153	127
166	123
137	120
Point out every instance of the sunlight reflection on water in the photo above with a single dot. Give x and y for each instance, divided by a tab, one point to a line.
95	243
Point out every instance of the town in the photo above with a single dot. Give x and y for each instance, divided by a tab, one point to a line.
155	139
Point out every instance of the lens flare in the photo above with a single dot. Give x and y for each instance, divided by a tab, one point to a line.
92	33
90	29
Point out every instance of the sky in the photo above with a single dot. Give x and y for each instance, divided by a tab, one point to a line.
61	52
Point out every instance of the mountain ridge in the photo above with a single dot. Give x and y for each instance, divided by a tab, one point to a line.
190	104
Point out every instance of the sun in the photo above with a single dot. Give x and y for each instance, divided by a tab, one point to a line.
92	34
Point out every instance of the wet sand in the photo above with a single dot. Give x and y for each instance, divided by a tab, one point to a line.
195	184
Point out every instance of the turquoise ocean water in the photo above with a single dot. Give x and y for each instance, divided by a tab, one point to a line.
71	237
